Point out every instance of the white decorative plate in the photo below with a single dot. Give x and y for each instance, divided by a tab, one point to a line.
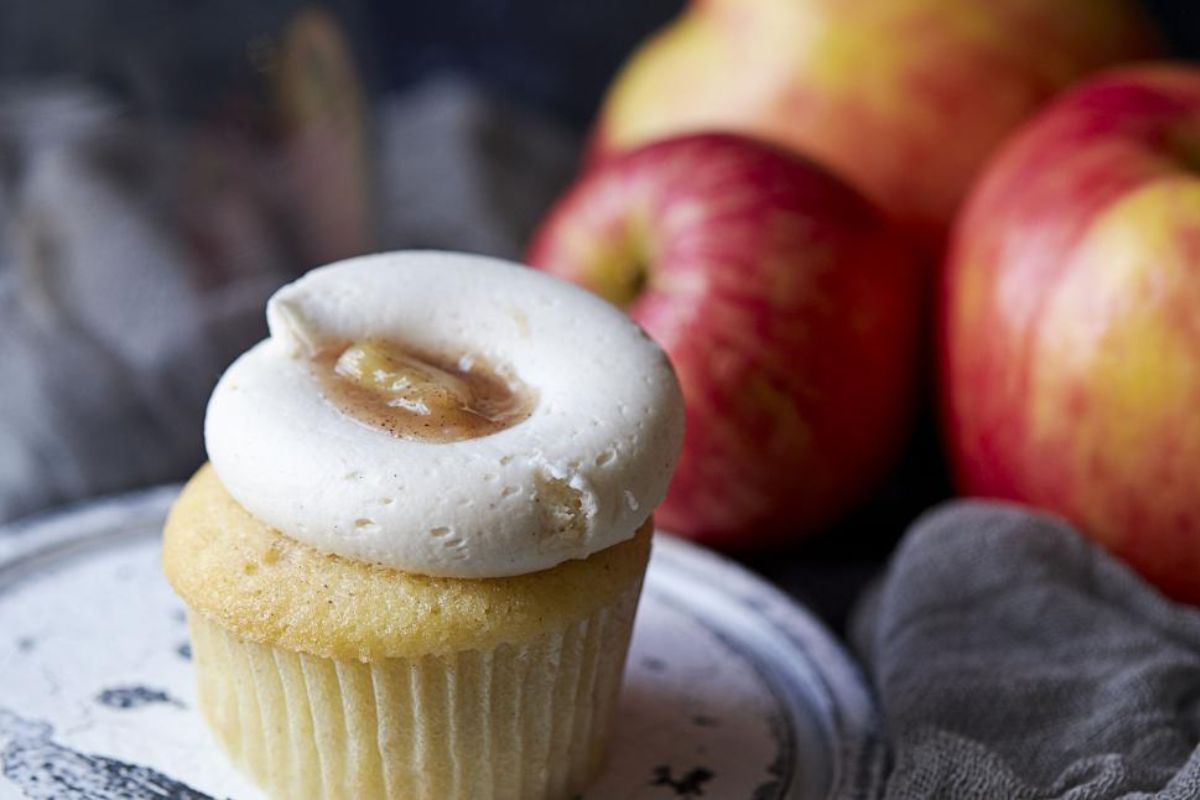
732	692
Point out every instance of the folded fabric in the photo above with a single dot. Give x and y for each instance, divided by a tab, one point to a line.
1014	659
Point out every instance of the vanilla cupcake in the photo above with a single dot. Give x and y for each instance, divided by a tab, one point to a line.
412	566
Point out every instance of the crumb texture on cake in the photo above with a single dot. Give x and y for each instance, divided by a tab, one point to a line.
265	587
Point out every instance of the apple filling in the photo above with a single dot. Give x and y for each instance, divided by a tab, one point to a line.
419	395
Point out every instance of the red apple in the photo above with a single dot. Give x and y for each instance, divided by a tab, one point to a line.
1070	321
789	307
904	98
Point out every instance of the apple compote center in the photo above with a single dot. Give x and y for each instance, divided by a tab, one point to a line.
419	395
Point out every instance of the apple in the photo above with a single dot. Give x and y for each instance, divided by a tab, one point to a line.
903	98
789	306
1070	321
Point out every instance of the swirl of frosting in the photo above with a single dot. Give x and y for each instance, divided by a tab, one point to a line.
578	471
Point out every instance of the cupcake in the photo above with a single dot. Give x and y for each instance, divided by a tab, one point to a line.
412	565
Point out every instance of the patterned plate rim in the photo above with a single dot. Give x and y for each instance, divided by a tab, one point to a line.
767	617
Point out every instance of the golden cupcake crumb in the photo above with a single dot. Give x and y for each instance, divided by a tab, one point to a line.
265	587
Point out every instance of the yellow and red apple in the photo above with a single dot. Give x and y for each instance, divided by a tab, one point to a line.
789	305
904	98
1070	330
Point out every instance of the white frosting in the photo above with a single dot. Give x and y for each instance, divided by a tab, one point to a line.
580	474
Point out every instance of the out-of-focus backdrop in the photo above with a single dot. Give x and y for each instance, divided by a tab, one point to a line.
163	167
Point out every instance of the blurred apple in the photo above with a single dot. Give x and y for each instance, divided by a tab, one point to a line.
788	306
904	98
1070	334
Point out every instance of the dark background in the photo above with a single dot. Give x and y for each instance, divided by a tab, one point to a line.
560	54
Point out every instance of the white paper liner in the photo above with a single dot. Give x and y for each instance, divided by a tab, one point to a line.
522	722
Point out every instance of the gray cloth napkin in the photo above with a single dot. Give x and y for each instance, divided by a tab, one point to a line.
114	326
1013	659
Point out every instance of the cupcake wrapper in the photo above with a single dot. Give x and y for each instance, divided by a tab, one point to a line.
521	722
